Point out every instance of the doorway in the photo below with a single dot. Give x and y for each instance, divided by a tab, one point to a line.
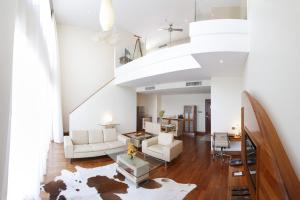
190	119
207	116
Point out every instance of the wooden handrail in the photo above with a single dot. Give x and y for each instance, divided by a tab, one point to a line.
276	177
90	96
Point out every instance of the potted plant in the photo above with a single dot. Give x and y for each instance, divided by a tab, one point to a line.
161	114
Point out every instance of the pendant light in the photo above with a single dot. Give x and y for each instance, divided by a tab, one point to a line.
107	18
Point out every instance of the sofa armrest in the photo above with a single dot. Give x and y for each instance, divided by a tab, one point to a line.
123	139
149	142
173	150
68	147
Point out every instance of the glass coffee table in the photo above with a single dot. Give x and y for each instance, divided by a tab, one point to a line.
136	170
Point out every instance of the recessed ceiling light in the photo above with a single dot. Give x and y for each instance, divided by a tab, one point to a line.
221	61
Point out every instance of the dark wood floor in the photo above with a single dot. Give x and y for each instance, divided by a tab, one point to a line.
194	165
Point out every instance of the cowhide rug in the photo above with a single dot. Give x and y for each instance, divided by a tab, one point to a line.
105	183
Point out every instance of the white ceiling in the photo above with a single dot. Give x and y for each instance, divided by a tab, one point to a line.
141	17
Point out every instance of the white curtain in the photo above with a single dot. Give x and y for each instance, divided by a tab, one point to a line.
57	134
36	111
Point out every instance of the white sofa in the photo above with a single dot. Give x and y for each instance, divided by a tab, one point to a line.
92	143
163	147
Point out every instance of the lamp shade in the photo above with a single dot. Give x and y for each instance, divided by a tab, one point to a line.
107	18
107	118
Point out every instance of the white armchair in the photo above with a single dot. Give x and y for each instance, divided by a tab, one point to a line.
163	147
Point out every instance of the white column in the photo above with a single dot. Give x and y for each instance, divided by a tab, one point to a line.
7	19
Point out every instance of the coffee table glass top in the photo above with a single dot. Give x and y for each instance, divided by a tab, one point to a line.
139	136
134	162
138	159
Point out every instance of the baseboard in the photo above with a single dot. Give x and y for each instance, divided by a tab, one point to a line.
200	133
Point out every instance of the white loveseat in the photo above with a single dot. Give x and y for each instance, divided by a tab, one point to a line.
92	143
163	147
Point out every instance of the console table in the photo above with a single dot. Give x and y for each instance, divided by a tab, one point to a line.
234	138
237	181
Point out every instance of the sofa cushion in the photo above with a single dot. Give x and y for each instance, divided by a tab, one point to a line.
99	147
115	144
110	134
156	148
95	136
79	137
165	138
82	148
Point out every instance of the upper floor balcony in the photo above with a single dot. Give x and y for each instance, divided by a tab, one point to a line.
217	47
216	44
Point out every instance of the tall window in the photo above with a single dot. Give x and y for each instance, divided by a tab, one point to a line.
36	114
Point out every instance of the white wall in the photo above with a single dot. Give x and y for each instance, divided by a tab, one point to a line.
7	19
173	105
150	103
85	66
116	101
225	103
272	72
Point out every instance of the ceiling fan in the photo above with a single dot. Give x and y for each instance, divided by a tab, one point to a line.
170	29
